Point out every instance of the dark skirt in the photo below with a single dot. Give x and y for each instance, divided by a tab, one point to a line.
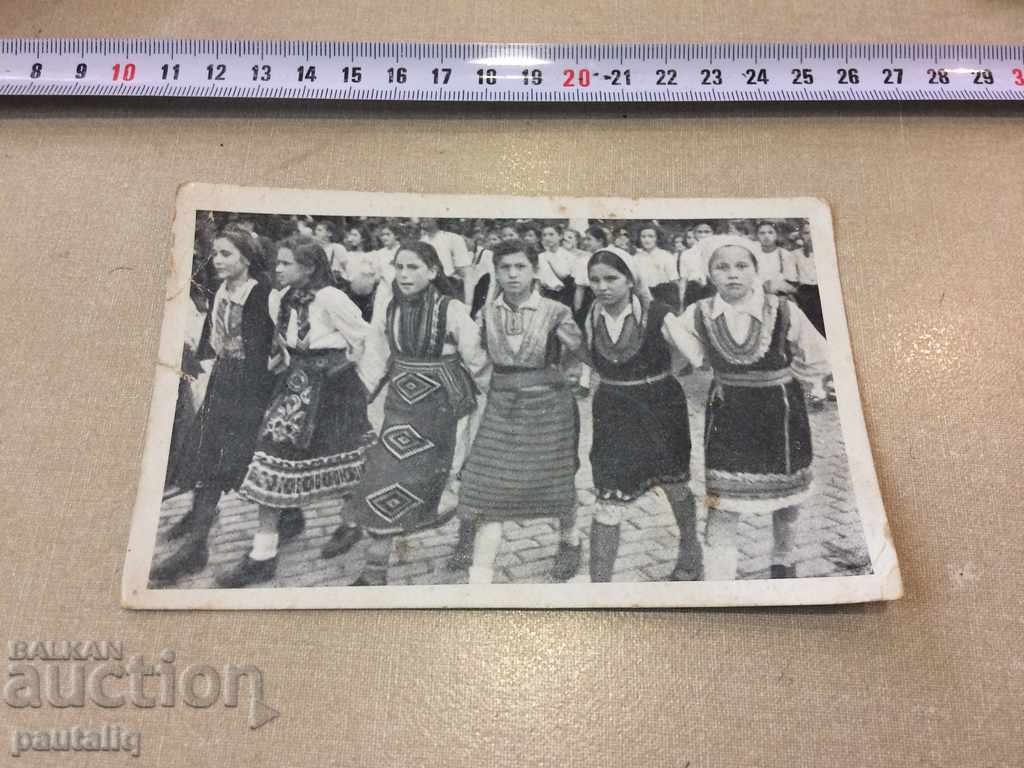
223	435
314	434
580	315
757	447
641	438
667	293
695	291
524	459
809	301
564	295
480	294
407	468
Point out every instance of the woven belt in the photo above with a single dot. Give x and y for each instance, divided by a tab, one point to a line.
754	378
638	382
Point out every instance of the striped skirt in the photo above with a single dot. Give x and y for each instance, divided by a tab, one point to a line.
524	459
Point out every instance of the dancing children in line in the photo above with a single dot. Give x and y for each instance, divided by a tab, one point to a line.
428	348
757	437
311	442
525	455
238	332
641	423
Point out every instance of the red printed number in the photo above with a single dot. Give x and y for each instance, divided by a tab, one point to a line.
573	78
124	74
1018	77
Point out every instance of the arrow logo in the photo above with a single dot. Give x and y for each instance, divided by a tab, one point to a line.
260	714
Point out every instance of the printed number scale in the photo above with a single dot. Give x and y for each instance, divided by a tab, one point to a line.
685	72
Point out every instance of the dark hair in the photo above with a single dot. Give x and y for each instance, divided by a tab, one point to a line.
506	247
330	226
613	260
248	246
598	232
309	253
428	255
766	223
659	234
529	226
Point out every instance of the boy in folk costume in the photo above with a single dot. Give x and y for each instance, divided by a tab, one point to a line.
310	445
641	423
524	459
757	435
427	348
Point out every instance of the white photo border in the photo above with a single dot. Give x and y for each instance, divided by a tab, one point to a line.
884	583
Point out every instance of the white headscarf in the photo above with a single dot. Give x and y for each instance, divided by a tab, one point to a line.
639	288
711	244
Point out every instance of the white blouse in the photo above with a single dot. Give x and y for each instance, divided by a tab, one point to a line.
334	322
808	347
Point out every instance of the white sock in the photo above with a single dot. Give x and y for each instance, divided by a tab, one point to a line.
720	563
264	545
485	548
478	574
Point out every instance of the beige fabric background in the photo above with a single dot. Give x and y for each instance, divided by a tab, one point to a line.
927	204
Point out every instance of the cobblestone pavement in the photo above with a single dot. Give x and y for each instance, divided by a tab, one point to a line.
830	541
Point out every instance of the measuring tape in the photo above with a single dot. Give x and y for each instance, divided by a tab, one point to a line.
656	72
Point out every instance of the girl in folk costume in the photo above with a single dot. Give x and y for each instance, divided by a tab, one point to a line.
313	435
641	424
757	436
524	459
428	347
238	333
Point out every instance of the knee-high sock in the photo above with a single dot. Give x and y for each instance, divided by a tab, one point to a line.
604	540
604	548
684	508
264	542
784	525
721	557
485	552
204	509
378	555
568	531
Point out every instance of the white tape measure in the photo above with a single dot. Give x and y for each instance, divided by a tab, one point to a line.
657	72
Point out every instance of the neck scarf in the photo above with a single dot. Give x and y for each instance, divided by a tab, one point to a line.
421	321
298	299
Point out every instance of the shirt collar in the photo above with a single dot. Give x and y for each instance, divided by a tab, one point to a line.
752	304
238	296
531	303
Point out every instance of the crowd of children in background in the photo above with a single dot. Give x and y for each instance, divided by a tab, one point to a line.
482	332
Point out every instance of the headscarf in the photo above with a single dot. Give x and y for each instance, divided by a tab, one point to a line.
711	244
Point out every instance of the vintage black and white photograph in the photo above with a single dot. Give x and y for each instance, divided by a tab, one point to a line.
387	400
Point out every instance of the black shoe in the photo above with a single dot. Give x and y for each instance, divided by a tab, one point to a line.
567	561
681	573
248	572
783	572
186	524
290	524
342	540
361	582
190	558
